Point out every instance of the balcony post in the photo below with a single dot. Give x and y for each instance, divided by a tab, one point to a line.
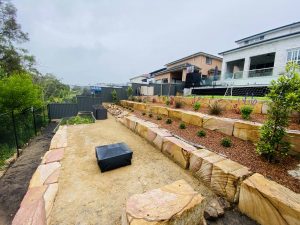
246	68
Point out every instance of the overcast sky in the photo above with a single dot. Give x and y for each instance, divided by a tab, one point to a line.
91	41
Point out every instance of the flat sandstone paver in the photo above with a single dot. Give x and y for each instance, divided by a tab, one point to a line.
87	196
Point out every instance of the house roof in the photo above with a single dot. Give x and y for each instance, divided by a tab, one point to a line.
260	42
176	68
192	56
268	31
143	75
157	71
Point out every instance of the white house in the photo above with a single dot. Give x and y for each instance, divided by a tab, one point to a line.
260	58
141	79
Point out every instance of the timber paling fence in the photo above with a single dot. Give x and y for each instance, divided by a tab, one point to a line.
16	128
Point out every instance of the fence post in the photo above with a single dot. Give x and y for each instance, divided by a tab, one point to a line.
34	122
15	132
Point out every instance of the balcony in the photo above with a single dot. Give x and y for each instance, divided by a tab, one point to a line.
261	72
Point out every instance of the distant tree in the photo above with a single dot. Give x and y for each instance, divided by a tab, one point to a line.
129	92
12	58
18	92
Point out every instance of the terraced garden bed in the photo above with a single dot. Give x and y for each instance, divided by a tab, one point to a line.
241	151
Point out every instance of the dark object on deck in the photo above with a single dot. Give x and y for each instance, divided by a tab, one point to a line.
113	156
100	112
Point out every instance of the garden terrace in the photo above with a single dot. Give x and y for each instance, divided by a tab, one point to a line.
215	132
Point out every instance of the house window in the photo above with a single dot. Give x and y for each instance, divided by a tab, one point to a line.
208	60
293	55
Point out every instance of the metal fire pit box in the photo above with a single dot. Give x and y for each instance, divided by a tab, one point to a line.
113	156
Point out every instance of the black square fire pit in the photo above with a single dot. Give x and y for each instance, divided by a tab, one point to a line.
113	156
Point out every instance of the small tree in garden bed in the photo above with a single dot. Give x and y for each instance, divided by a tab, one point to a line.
284	96
196	106
169	121
114	96
159	118
246	111
129	91
182	126
226	142
201	133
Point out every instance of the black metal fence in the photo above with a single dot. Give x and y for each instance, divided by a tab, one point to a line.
17	128
159	89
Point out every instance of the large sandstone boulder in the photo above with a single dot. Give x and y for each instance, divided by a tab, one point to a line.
131	122
226	178
175	113
156	136
268	202
140	106
173	204
143	126
223	125
161	110
201	164
246	130
193	118
293	136
178	150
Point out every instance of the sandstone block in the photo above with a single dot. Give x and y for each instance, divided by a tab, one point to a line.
131	122
49	197
193	118
140	106
55	155
59	140
32	208
157	135
143	126
268	202
201	164
178	150
246	130
42	173
175	113
293	136
173	204
226	178
223	125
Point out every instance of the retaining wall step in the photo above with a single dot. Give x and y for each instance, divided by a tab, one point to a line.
268	202
173	204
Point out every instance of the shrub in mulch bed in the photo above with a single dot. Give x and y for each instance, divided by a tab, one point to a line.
159	118
226	142
150	115
201	133
182	126
241	151
143	113
169	121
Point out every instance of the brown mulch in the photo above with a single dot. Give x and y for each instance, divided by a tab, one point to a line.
241	151
255	117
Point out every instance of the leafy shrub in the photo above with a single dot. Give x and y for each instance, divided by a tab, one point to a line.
5	153
201	133
169	121
284	95
178	104
129	91
236	109
114	96
172	100
143	113
153	100
182	125
246	111
226	142
167	102
77	120
196	106
158	118
150	115
145	100
134	99
215	108
139	100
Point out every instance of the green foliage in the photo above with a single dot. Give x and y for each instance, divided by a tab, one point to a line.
283	101
143	113
159	118
178	104
196	106
246	111
5	153
82	119
226	142
114	96
129	91
169	121
182	125
167	102
150	115
18	92
215	108
201	133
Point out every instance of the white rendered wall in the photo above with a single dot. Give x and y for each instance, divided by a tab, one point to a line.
280	48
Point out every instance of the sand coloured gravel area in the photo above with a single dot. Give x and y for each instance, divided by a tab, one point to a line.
87	196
